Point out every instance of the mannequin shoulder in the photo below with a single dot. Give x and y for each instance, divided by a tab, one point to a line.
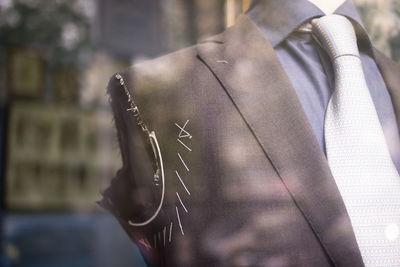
162	70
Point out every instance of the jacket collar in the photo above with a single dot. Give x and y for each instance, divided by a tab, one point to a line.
276	19
245	64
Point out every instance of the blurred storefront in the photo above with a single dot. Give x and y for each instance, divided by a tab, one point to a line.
58	143
59	146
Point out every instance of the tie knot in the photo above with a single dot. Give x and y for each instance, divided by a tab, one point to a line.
336	34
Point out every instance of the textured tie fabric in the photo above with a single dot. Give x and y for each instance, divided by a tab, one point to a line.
356	148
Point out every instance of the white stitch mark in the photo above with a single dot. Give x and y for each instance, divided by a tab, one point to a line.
134	109
222	61
187	134
179	220
170	232
184	164
164	231
145	243
180	179
180	200
184	145
153	137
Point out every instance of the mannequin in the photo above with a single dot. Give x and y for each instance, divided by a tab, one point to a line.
327	6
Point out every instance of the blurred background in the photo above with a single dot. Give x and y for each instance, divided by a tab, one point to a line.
58	146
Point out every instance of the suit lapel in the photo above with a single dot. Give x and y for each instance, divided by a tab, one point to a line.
247	67
391	74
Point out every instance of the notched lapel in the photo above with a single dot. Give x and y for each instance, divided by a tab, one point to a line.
248	69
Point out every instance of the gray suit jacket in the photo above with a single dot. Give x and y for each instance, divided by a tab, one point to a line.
246	182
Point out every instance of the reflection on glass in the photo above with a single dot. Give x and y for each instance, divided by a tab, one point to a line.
61	149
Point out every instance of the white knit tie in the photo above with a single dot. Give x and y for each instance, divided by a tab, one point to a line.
356	148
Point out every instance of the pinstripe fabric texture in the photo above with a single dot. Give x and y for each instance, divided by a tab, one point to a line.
357	151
